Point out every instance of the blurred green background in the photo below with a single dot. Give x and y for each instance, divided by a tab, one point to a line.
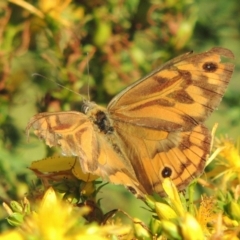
121	41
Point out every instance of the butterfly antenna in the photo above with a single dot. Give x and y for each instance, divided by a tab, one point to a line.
88	87
60	85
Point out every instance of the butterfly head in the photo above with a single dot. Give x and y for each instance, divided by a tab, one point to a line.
88	106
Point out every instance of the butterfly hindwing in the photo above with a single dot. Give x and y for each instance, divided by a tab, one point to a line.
178	155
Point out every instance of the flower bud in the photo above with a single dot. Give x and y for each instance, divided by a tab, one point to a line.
164	211
170	229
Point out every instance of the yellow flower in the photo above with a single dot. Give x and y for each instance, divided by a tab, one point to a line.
54	7
11	235
225	229
205	213
174	220
228	161
228	222
60	11
190	228
230	153
54	218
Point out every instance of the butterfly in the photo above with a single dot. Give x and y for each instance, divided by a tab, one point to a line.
152	130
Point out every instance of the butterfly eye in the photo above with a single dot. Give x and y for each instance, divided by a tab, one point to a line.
166	172
210	66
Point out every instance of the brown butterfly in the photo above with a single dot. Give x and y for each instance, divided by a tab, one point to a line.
151	130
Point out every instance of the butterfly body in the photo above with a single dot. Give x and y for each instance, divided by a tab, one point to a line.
151	130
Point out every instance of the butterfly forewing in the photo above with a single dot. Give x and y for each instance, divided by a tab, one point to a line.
178	96
72	131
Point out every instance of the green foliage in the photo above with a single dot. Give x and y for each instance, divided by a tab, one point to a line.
121	41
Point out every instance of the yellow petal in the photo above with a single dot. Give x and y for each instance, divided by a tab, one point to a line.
11	235
190	228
